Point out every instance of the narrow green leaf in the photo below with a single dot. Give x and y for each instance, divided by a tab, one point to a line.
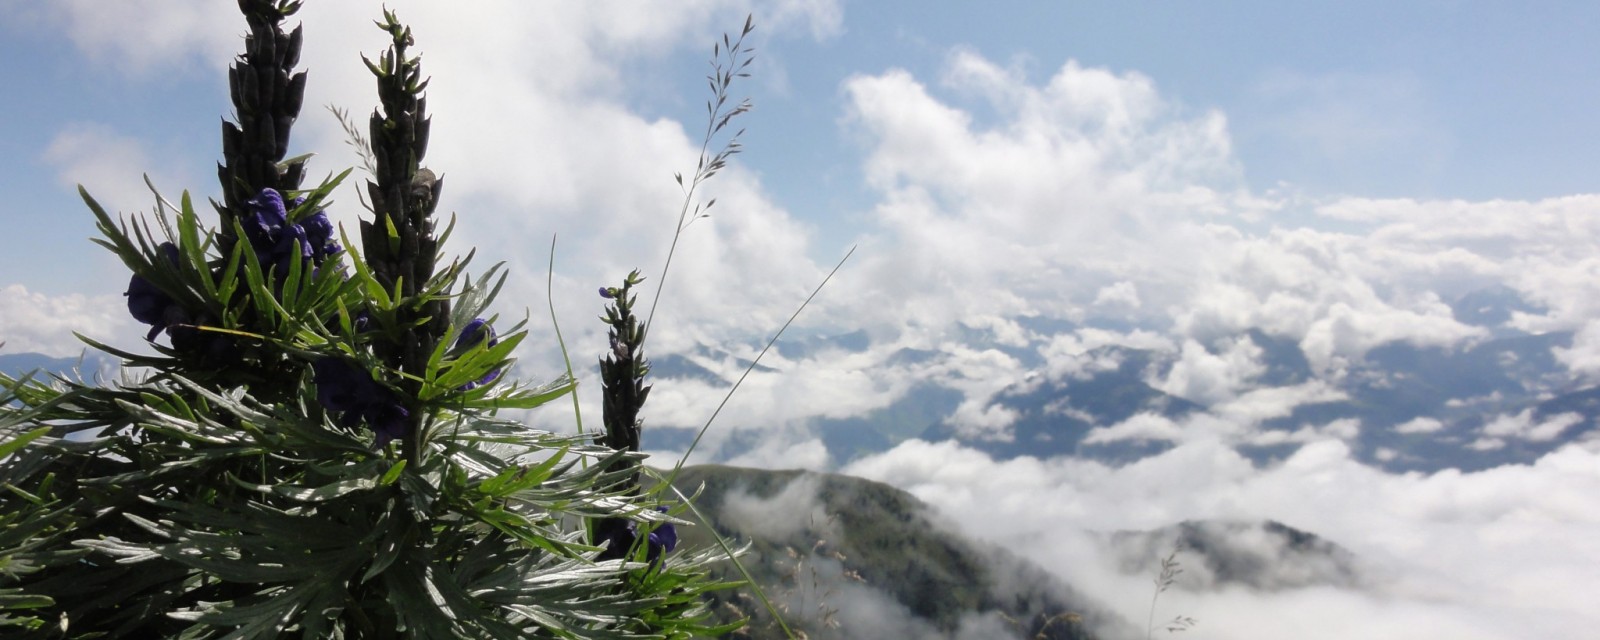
393	474
16	444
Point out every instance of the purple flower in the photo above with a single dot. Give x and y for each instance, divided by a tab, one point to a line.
618	536
471	336
340	385
276	241
319	230
662	540
607	293
149	304
473	333
388	420
267	216
350	391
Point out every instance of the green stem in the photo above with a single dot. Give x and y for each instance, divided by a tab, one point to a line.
725	398
549	293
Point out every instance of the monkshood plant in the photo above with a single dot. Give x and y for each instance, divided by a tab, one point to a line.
313	448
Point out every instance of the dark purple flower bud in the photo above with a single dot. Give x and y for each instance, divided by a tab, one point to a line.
607	293
341	386
473	333
267	216
619	534
170	252
148	303
292	244
277	242
471	336
344	387
662	540
319	230
388	420
616	535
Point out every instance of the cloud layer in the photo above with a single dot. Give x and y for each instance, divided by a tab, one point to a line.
1503	553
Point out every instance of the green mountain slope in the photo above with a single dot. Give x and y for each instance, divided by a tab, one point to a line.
843	557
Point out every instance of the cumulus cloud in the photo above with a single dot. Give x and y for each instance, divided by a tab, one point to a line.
1142	426
1523	426
1123	293
1265	403
1420	425
1583	357
1080	354
31	321
1209	378
1346	429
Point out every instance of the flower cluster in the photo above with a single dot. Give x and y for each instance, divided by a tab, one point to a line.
471	336
148	304
152	306
344	388
276	240
618	535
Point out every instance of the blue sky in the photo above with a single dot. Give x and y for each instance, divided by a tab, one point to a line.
1424	99
1159	176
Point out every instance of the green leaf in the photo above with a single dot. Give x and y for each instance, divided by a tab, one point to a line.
13	599
393	474
15	444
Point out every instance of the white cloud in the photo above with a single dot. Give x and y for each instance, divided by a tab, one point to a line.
1087	190
1142	426
35	322
784	453
1501	553
783	516
1078	354
1123	293
1080	174
823	18
1261	404
1420	425
1583	357
1522	425
532	132
1346	429
1209	378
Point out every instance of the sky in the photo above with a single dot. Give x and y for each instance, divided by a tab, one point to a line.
1161	175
